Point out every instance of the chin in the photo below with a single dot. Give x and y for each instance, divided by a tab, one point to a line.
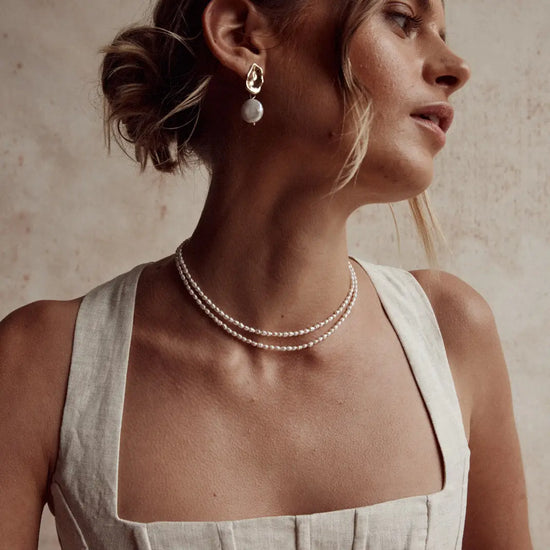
394	180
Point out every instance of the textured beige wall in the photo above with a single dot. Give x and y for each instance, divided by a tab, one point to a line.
72	217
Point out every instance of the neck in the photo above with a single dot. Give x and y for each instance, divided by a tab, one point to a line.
273	259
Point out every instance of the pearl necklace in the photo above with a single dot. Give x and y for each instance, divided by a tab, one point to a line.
221	318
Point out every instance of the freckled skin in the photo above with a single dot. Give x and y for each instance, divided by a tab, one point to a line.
400	73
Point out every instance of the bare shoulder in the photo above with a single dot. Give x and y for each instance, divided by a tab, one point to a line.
35	352
497	501
41	316
36	337
464	316
468	328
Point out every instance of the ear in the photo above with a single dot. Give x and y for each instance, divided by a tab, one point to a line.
236	33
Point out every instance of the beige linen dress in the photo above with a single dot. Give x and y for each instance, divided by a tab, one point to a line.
84	484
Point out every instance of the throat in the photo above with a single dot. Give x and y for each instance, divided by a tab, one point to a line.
255	303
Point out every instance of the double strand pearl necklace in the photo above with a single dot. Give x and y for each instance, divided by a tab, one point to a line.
222	319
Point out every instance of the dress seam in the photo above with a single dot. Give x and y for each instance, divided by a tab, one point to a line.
462	507
70	513
428	514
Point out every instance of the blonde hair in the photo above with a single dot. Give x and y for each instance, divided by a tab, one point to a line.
155	79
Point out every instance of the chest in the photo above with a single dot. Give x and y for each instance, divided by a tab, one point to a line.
215	442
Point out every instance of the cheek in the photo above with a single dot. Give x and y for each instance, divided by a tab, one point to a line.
383	65
398	165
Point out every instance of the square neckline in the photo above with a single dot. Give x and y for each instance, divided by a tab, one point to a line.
420	499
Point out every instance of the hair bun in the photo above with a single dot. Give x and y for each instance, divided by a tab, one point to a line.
147	74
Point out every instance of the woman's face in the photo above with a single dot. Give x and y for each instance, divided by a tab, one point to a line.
401	57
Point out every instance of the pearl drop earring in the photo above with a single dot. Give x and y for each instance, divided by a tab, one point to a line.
252	110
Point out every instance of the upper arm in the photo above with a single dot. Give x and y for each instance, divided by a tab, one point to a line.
496	515
35	348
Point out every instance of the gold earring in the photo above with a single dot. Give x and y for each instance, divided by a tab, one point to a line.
252	110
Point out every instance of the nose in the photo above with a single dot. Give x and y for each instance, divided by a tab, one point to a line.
447	70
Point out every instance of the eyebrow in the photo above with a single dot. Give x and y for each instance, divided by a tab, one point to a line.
427	7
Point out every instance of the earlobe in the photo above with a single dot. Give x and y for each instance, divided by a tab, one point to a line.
234	31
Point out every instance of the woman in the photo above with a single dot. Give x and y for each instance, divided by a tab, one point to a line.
369	408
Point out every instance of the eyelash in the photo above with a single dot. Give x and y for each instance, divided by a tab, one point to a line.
411	24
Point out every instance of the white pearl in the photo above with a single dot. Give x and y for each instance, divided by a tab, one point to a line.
252	111
211	310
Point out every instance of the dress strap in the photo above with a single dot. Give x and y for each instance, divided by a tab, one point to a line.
412	316
87	465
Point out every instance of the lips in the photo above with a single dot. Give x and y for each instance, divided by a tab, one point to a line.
438	114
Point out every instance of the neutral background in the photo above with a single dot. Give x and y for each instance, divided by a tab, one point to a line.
72	217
